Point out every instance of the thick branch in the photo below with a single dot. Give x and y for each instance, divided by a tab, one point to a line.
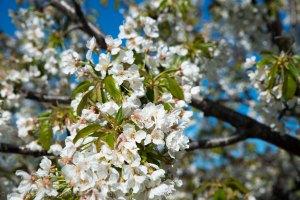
251	127
47	98
9	148
77	15
217	142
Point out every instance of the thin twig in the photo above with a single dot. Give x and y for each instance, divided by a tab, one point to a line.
217	142
78	17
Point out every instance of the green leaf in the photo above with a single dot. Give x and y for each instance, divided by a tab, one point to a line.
164	29
110	139
81	87
120	116
55	40
168	106
219	195
267	60
139	58
44	115
205	49
92	71
112	88
83	102
296	58
272	76
150	94
289	86
96	94
174	88
87	131
104	96
266	53
295	71
45	134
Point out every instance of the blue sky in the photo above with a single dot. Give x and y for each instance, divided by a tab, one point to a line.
108	20
6	24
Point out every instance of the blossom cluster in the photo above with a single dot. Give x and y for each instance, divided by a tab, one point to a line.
276	80
131	112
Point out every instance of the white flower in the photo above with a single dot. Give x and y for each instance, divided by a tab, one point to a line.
5	116
127	57
44	183
25	125
135	43
190	71
104	64
127	29
136	82
164	56
250	62
195	91
157	175
179	50
161	190
131	134
45	167
130	153
34	146
69	150
89	115
91	44
131	74
15	196
45	188
134	178
167	97
129	104
110	107
113	45
150	27
55	149
156	136
69	61
177	141
149	116
119	73
34	71
27	182
77	173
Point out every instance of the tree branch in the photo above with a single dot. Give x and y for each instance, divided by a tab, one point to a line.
217	142
9	148
251	127
77	15
46	98
274	27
